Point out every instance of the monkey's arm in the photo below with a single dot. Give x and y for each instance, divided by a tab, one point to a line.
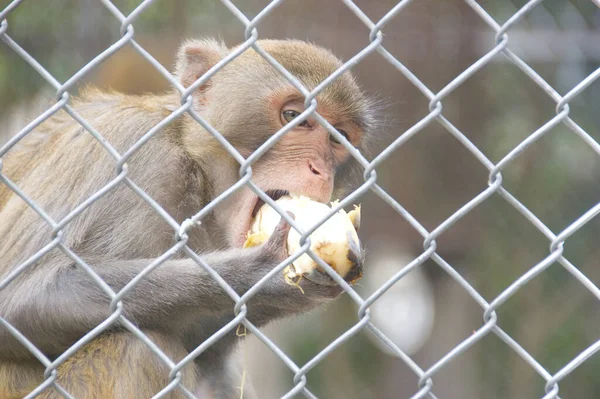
174	297
55	311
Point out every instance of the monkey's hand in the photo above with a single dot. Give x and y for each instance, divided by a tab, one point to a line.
335	240
277	297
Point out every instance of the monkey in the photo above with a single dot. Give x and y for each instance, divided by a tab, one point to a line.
178	305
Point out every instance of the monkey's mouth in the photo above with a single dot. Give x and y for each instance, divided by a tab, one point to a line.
273	194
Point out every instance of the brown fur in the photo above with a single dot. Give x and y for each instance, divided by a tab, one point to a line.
59	165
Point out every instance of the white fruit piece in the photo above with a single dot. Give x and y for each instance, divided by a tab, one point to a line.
331	241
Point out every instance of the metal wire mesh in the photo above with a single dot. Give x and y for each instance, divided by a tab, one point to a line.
490	325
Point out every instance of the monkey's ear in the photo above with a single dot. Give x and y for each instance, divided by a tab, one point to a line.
195	57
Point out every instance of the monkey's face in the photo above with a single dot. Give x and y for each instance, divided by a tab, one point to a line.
248	101
305	161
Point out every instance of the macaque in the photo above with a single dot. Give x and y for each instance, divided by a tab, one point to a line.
54	302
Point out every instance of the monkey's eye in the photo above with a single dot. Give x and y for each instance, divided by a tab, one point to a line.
290	115
336	140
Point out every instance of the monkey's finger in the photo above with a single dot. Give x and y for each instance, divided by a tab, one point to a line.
320	277
357	257
278	240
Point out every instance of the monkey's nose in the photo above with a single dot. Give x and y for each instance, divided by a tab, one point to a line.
319	171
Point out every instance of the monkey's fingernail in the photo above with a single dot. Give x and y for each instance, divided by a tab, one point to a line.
356	256
319	277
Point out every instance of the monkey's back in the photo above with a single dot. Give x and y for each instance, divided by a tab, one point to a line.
59	165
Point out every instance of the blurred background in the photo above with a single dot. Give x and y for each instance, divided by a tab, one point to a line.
427	313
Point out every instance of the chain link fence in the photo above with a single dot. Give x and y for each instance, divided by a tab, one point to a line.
491	323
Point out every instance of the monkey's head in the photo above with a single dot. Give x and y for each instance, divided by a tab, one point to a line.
249	100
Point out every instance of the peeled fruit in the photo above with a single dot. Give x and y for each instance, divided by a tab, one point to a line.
335	241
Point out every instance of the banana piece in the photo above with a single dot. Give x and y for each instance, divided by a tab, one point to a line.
335	241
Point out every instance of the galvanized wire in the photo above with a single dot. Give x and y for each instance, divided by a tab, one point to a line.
426	375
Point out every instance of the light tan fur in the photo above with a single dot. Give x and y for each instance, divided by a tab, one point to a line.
127	369
60	165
